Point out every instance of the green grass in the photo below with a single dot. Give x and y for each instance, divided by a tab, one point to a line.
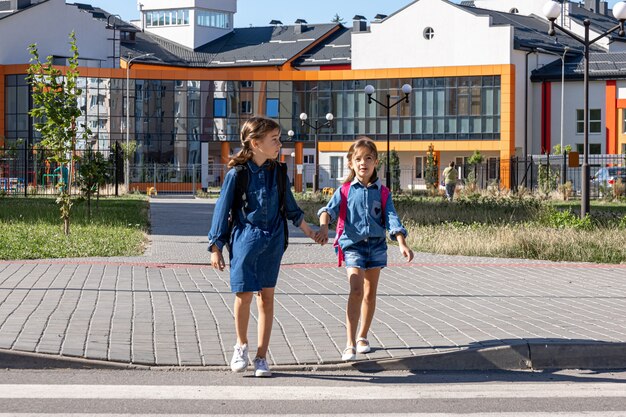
31	229
508	227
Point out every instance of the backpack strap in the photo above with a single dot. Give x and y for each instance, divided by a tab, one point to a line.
341	221
384	196
241	186
281	180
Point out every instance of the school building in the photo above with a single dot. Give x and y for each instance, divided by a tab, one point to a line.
485	75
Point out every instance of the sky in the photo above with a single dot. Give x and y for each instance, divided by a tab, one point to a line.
260	12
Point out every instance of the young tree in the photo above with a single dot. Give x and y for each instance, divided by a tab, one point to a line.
93	169
55	110
431	174
338	19
474	160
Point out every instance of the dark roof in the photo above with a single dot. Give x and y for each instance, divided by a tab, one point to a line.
599	22
5	13
528	31
334	50
602	66
255	46
101	14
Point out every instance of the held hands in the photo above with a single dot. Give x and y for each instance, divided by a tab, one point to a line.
217	259
318	237
322	235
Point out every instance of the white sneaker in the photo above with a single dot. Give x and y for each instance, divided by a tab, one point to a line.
239	362
261	368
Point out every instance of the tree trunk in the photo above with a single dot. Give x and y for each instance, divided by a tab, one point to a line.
66	226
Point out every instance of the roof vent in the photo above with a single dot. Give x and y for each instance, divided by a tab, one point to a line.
275	22
604	8
301	26
359	23
379	17
22	4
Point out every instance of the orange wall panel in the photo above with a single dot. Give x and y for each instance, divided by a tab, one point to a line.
611	117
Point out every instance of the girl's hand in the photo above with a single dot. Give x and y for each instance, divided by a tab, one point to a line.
322	235
217	259
308	231
406	252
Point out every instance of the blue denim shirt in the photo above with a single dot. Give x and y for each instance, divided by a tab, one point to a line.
262	211
364	218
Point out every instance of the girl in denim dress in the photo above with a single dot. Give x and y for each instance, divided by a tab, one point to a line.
363	241
257	239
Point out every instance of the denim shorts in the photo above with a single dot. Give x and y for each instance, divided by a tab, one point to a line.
367	254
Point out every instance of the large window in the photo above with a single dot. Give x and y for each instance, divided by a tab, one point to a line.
595	121
167	17
213	19
336	167
419	167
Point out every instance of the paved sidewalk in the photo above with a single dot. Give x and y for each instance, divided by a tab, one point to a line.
168	308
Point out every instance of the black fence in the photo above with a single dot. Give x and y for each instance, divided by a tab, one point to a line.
549	173
29	173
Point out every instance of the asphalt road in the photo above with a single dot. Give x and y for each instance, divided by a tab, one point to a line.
196	393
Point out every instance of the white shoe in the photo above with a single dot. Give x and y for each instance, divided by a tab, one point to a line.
239	362
261	368
364	347
348	354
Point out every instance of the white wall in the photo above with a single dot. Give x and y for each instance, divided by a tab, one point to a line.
398	41
192	36
223	5
574	99
49	25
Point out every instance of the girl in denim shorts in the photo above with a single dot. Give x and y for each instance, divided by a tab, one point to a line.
363	241
257	240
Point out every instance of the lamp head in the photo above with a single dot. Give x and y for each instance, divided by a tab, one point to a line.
619	11
304	116
369	89
329	117
551	10
291	134
406	88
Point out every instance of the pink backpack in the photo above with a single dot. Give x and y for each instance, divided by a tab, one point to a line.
343	212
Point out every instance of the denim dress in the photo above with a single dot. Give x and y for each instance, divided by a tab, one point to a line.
257	241
364	241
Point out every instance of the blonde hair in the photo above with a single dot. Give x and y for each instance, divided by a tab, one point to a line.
254	128
361	142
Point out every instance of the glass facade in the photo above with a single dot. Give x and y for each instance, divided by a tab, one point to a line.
213	19
167	18
170	118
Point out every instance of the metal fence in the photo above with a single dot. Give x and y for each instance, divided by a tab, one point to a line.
544	173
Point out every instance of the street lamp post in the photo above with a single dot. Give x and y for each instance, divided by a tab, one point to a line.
552	10
316	127
114	27
127	157
369	90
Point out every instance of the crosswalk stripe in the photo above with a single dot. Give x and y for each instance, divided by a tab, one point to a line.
295	393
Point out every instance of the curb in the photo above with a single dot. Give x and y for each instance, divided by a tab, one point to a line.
522	356
12	359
